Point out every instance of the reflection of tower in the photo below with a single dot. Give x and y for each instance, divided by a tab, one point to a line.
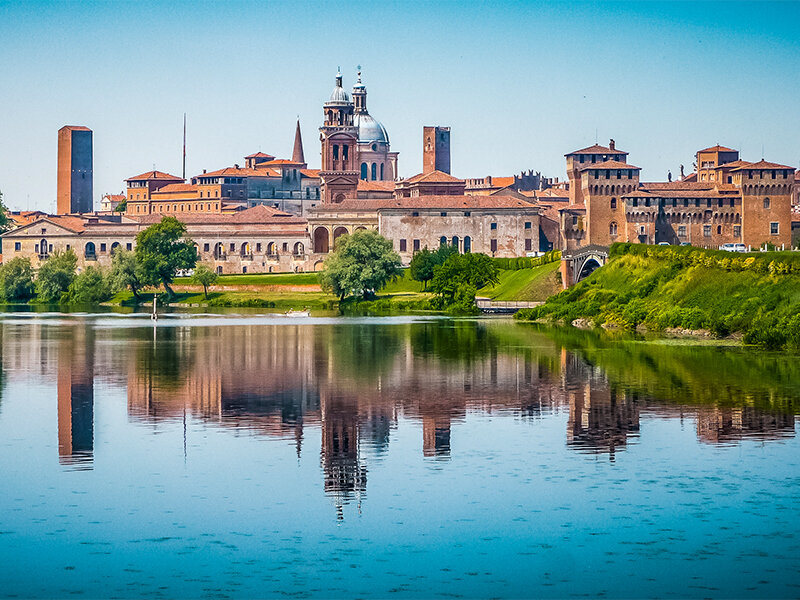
76	398
344	474
599	420
725	424
436	436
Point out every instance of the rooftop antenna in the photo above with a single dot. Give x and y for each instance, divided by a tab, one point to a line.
184	146
595	135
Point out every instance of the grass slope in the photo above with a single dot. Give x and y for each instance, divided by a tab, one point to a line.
667	289
530	285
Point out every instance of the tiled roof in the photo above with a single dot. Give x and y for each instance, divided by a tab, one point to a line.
608	164
717	148
682	193
280	162
262	215
118	197
261	155
375	186
574	208
596	149
444	202
176	188
677	185
76	128
310	173
232	172
434	177
151	175
502	181
762	164
732	164
550	193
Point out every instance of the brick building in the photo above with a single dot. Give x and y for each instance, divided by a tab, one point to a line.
75	172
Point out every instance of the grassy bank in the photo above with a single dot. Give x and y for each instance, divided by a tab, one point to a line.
530	285
659	288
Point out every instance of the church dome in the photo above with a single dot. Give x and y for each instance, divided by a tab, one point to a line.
369	130
339	95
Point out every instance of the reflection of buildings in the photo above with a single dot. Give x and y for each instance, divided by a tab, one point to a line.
719	425
76	398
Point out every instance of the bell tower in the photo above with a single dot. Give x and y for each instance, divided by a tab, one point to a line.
338	137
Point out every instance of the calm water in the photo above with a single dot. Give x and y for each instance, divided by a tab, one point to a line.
390	457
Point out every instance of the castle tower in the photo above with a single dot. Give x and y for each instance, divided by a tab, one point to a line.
766	202
338	137
74	170
601	186
436	149
297	153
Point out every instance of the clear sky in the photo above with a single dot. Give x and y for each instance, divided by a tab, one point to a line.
519	83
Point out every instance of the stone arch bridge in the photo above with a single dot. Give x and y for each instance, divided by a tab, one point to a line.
578	264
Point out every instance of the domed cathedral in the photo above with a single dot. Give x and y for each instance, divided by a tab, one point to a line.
376	162
339	139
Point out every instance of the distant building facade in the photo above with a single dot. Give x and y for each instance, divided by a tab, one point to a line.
75	172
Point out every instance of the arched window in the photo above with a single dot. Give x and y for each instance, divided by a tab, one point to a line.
114	246
443	240
336	152
612	228
299	249
90	251
455	242
467	244
272	249
364	171
43	252
382	177
374	170
613	203
766	202
321	240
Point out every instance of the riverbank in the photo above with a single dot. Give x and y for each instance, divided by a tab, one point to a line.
669	289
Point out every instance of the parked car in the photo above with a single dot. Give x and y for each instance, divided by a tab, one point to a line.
663	243
686	243
733	247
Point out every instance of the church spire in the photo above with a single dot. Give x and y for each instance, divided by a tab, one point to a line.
297	153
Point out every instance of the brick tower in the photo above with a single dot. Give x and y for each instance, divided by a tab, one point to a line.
338	136
435	149
74	170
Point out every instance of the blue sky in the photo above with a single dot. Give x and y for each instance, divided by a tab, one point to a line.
519	83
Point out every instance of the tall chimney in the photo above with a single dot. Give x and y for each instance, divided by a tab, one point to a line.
611	144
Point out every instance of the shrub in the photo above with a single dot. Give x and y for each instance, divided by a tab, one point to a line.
55	276
16	280
91	286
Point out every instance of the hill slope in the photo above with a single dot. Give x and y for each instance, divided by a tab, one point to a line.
757	295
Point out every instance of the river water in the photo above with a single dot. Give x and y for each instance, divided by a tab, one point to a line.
243	456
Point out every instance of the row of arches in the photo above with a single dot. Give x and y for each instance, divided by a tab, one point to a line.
696	217
457	243
370	171
245	250
772	189
322	237
607	190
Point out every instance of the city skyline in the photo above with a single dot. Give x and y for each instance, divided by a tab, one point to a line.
518	93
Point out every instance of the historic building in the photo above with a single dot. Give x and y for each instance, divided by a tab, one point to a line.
728	201
75	171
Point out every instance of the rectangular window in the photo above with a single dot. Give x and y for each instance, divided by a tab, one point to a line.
205	247
442	214
493	245
258	247
286	245
233	247
681	230
402	245
467	213
737	231
494	227
17	246
416	245
527	224
128	246
102	247
773	228
706	230
528	244
415	214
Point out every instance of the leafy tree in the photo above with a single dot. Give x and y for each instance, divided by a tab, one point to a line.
16	280
162	249
5	222
122	206
55	275
424	261
461	275
126	272
91	286
205	276
360	265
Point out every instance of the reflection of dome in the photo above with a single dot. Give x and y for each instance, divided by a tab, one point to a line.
369	130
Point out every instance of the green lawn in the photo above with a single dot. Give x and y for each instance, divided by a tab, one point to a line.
260	279
531	285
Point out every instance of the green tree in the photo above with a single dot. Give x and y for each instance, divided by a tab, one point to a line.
5	222
55	275
91	286
16	280
162	249
424	261
126	272
122	206
457	280
360	265
205	276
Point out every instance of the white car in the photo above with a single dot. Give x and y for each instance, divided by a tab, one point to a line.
733	247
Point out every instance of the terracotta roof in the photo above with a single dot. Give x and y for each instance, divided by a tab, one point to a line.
682	193
280	162
444	202
117	197
732	164
608	164
261	155
257	215
175	188
151	175
375	186
550	193
434	177
76	128
762	164
232	172
717	148
574	208
502	181
677	185
311	173
596	149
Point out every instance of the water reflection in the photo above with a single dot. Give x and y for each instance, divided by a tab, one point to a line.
355	382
